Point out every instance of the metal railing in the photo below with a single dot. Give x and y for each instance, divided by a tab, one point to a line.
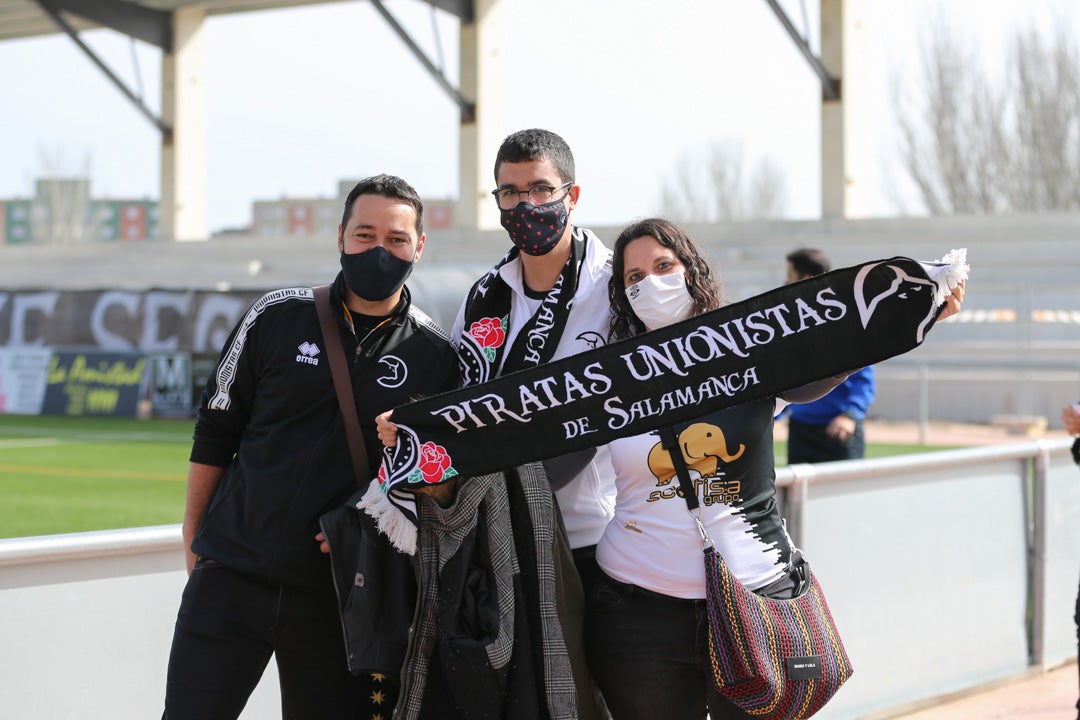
973	389
1034	458
89	545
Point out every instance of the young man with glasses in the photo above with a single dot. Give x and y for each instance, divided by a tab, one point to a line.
545	300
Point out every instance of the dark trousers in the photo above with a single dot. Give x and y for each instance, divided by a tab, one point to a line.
228	627
650	655
1076	619
591	575
809	444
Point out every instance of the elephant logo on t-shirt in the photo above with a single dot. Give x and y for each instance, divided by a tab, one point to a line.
704	448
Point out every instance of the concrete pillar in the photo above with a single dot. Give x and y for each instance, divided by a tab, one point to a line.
483	77
850	155
832	111
864	81
182	211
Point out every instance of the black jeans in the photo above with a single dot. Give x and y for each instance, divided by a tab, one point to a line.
649	653
230	624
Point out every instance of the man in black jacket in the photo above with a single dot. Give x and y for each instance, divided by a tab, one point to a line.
270	456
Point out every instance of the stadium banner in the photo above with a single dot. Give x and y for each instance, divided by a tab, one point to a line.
23	374
194	321
94	382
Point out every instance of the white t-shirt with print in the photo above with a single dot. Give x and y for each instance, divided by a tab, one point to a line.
653	541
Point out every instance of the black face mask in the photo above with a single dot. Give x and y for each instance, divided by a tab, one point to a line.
374	274
536	229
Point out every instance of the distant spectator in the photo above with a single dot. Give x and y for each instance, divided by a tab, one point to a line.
830	428
1070	415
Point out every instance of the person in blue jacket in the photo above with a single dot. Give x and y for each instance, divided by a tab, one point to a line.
830	428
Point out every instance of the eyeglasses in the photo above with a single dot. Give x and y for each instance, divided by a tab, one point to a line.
508	198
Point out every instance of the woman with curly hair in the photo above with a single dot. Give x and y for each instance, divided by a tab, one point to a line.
647	625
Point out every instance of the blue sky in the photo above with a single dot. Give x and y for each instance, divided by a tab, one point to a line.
303	97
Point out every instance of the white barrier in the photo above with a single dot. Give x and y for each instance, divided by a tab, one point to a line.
945	570
86	623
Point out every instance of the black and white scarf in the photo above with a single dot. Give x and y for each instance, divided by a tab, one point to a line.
487	327
759	348
482	345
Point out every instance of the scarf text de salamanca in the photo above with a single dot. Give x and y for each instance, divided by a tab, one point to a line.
730	386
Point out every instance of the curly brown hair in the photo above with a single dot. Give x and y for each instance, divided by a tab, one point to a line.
705	287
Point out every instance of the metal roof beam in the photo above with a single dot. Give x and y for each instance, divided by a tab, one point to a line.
54	13
830	86
463	9
468	109
137	21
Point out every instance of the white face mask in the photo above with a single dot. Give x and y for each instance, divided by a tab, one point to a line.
661	300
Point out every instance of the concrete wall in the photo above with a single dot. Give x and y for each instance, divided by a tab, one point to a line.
1021	266
1039	252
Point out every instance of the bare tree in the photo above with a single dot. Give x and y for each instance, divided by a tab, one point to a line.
970	145
1046	89
714	185
725	172
767	192
682	196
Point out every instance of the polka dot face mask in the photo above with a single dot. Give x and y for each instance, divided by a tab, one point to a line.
536	229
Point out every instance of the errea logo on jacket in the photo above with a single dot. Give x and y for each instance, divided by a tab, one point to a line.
308	351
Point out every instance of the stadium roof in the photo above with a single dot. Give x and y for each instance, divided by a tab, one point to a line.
28	18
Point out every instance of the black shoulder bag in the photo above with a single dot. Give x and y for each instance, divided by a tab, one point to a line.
339	370
374	583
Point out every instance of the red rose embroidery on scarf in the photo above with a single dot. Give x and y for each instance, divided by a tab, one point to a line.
434	462
488	332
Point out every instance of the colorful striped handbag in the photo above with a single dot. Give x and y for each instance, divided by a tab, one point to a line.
774	659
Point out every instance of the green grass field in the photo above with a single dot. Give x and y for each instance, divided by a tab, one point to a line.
61	474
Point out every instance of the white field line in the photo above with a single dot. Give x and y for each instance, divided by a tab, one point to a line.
27	443
60	435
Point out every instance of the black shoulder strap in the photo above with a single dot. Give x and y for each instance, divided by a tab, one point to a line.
671	444
335	354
